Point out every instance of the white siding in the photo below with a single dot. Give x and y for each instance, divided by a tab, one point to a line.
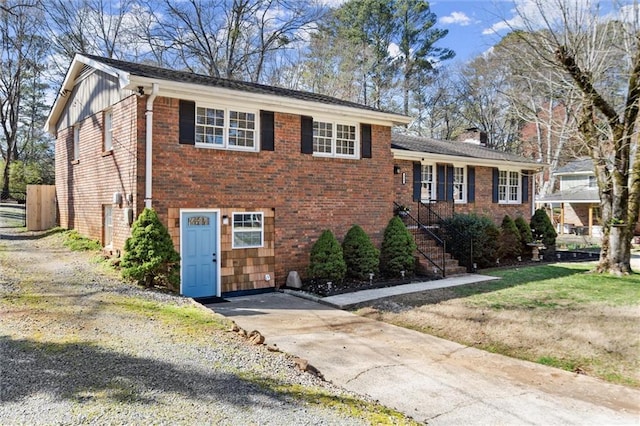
91	94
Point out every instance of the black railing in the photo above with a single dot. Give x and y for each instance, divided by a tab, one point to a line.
428	244
427	221
433	212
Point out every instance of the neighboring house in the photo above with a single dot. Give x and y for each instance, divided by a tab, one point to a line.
576	204
244	176
465	176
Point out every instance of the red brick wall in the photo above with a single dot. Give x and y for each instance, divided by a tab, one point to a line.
84	186
483	204
308	194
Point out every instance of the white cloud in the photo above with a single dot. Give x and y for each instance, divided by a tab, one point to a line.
459	18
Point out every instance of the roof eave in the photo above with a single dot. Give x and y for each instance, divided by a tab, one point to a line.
402	154
193	91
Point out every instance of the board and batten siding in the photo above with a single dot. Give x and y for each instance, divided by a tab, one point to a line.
92	93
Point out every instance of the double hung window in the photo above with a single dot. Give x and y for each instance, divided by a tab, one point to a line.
248	230
335	139
225	128
509	189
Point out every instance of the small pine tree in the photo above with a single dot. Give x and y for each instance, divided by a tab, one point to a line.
360	255
326	261
150	257
509	241
541	228
398	250
525	234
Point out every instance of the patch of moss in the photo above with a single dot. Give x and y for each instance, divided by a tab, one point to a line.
375	413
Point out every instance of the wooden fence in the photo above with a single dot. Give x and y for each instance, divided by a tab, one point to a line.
41	207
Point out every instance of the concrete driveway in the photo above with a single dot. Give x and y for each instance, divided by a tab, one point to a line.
431	379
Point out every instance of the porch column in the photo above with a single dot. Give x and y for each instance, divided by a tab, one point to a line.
562	218
590	219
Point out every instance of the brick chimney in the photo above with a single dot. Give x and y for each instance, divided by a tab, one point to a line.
473	135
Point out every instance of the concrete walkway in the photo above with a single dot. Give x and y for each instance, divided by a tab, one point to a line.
431	379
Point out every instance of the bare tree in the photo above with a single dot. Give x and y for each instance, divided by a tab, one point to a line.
21	54
233	39
600	59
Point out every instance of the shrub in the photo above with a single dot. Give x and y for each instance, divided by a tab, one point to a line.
525	234
542	229
398	250
326	260
509	246
149	255
462	229
360	255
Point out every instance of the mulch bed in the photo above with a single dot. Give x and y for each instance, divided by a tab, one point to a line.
323	288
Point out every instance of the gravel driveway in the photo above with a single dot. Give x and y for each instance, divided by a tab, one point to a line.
77	346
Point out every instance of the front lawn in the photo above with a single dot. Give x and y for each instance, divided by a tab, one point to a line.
557	314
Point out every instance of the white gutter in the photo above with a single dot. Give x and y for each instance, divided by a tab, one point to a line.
148	146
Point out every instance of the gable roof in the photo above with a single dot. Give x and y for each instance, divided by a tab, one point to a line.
579	166
416	146
132	75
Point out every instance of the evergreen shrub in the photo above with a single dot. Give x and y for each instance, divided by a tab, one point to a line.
542	229
326	260
463	229
525	234
509	246
360	255
150	257
398	250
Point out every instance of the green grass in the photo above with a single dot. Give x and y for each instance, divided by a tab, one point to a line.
76	242
560	285
189	319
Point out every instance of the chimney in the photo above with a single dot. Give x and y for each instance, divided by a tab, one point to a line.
473	135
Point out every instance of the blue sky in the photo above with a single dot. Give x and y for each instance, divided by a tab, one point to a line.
469	23
476	25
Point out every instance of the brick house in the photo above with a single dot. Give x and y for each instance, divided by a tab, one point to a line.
464	176
245	176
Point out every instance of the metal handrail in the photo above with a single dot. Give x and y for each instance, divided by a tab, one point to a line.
416	228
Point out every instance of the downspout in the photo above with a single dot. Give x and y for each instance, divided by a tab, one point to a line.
148	175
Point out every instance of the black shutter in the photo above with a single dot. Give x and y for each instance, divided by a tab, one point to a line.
306	134
365	140
417	181
449	183
187	122
267	142
496	180
471	184
442	184
525	186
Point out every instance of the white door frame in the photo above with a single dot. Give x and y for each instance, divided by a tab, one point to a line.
218	252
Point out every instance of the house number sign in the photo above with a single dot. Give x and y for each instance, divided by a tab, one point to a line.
199	221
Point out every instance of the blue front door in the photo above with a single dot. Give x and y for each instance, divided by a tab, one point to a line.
199	254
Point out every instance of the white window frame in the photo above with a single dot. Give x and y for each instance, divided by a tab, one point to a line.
250	230
334	138
76	143
462	198
107	142
107	212
433	193
227	129
507	184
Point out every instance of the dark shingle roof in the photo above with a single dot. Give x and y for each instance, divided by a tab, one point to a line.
149	71
460	149
577	194
581	165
